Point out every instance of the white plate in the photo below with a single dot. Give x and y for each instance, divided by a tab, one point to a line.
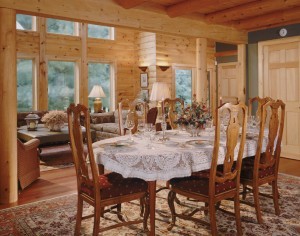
171	143
198	142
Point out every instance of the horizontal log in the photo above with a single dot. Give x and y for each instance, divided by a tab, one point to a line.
106	12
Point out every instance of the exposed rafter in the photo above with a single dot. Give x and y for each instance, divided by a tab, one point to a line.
269	19
127	4
250	10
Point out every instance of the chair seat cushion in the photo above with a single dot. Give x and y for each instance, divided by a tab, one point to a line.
199	184
248	168
114	185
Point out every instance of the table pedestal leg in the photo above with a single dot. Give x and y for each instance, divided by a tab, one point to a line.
152	198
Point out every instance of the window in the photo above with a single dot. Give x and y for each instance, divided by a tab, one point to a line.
25	83
100	74
61	84
183	85
25	22
61	27
100	32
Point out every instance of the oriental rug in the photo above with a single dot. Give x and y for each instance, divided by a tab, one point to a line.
57	216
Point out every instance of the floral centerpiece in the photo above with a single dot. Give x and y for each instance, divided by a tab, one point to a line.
55	120
196	114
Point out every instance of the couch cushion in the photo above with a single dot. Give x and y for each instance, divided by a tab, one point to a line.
114	185
106	127
124	115
107	117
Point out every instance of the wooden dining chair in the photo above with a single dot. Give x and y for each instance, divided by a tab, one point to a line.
219	182
229	99
258	102
263	167
169	109
100	190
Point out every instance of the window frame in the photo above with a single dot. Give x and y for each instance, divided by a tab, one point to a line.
112	80
34	27
183	67
77	70
35	69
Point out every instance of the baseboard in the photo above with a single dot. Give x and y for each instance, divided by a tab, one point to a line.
290	156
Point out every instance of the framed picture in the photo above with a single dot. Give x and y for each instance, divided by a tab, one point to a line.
145	94
144	80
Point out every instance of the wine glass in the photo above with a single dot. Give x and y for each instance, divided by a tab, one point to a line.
129	125
141	126
149	133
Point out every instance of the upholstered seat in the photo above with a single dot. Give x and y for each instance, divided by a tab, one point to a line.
198	185
114	185
93	186
248	169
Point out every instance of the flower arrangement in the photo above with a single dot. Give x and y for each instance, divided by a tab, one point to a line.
196	114
54	120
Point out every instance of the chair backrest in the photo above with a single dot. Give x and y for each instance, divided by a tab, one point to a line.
123	107
138	110
232	100
151	115
234	145
169	105
86	178
270	158
258	102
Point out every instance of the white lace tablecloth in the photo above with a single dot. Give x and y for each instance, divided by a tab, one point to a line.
174	158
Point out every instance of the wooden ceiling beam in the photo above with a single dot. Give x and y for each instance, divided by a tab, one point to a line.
274	18
127	4
250	10
189	6
107	12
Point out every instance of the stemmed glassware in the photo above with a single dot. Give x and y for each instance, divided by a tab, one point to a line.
149	133
164	127
141	126
129	125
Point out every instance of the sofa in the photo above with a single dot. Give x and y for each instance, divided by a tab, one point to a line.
106	125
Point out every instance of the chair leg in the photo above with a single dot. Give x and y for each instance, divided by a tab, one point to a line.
244	191
97	214
256	204
171	199
212	218
147	212
79	215
237	214
119	210
275	197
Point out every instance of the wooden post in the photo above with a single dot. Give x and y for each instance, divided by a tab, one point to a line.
242	72
201	64
83	78
8	107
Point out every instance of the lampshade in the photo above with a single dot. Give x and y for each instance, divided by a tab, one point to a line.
160	91
97	92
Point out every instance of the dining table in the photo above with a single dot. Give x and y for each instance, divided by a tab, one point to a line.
154	159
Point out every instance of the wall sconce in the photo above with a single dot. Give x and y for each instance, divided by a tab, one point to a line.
164	68
143	68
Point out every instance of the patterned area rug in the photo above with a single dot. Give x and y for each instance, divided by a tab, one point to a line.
57	216
56	161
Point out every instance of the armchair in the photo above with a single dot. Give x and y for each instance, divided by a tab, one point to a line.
28	162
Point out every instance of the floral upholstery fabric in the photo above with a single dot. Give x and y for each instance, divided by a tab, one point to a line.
200	185
248	168
97	118
114	185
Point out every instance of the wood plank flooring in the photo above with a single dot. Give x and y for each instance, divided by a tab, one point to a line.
61	182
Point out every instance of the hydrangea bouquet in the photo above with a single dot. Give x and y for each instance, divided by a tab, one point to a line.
196	114
55	120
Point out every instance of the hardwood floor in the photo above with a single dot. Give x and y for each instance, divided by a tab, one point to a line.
61	182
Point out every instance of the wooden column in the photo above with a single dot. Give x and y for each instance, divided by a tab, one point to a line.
83	78
42	80
242	72
201	74
8	107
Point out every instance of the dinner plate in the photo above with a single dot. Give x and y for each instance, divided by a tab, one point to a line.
199	142
171	143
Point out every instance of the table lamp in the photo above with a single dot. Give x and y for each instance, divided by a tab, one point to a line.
160	91
97	93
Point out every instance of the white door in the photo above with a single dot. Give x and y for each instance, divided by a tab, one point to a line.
228	80
279	79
